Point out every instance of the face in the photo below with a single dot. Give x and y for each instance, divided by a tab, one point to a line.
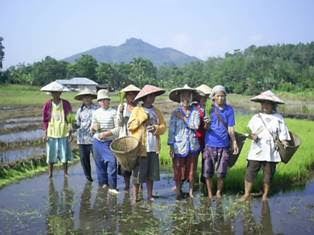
87	100
220	98
105	103
203	99
149	100
186	98
56	94
130	96
267	107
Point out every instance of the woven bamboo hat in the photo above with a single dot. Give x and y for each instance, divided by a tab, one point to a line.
174	94
85	92
131	88
103	94
148	90
53	86
206	90
267	96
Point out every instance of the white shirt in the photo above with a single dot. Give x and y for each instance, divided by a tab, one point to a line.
264	149
151	137
106	119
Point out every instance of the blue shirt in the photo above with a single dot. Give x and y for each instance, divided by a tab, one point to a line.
217	135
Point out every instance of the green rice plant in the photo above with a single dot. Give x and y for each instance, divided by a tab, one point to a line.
21	169
295	173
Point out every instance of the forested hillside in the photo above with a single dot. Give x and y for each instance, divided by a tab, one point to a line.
280	67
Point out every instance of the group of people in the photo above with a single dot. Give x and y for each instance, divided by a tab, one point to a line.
202	124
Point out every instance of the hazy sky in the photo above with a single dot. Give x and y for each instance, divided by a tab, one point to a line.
33	29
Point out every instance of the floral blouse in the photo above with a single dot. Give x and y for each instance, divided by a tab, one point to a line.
182	135
83	121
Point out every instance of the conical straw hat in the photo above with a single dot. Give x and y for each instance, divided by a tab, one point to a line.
85	92
267	96
204	89
148	90
53	86
131	88
174	94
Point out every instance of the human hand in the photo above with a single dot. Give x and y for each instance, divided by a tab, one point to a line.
171	152
235	147
151	128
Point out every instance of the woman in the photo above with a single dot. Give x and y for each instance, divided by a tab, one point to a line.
182	139
58	131
123	114
219	139
103	123
264	128
200	105
84	135
146	124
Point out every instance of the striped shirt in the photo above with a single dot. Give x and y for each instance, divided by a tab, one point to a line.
106	121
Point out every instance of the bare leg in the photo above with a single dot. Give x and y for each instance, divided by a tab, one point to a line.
50	170
247	191
150	185
220	185
127	183
209	188
136	192
178	190
266	191
65	169
191	189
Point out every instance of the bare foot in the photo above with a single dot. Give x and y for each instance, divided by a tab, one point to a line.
218	195
245	198
151	199
264	198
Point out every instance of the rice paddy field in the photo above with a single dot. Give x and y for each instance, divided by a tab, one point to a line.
30	203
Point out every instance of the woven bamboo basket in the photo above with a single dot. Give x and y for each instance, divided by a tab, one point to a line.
125	149
240	141
286	153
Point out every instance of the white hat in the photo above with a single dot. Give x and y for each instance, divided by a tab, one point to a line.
267	96
85	92
53	86
103	94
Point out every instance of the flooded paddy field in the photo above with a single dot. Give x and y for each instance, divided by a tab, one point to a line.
72	205
21	154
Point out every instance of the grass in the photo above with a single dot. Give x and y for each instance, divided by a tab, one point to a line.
287	176
12	95
28	168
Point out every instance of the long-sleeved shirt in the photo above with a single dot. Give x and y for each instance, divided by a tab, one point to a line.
182	134
137	128
105	119
83	118
264	148
47	111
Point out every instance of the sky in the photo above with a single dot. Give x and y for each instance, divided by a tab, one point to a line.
34	29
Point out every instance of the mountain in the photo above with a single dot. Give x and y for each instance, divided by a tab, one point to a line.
134	48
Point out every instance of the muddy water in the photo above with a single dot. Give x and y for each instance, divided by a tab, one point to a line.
20	154
22	136
60	205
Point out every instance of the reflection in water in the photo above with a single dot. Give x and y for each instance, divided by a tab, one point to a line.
266	219
60	214
250	223
86	211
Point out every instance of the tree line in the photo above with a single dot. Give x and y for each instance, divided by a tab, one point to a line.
284	67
